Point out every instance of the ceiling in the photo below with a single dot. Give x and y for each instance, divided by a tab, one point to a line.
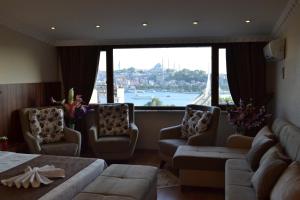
121	20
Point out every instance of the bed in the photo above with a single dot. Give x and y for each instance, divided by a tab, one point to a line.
79	173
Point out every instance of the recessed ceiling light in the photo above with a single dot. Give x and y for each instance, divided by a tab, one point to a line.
248	21
144	24
98	26
195	22
53	28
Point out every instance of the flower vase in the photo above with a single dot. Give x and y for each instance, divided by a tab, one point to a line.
71	126
3	145
240	130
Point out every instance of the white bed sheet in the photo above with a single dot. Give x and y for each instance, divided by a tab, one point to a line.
66	190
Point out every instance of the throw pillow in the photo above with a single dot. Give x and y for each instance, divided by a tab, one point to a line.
257	151
113	119
264	132
204	122
189	112
192	123
287	186
47	124
266	176
275	152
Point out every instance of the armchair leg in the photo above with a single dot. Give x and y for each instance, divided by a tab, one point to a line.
162	164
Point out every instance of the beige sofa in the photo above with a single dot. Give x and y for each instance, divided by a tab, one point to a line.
238	174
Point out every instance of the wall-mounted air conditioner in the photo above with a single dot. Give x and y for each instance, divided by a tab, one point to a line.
275	50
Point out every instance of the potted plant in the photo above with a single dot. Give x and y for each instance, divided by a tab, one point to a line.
247	117
3	143
74	109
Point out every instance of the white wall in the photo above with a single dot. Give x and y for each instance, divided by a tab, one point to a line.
287	90
150	123
25	60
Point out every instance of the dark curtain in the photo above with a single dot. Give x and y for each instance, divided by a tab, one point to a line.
246	72
79	69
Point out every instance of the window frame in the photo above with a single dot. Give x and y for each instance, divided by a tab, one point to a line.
215	71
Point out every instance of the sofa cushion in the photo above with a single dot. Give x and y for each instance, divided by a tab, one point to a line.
47	124
237	192
238	180
113	119
257	151
205	157
238	164
92	196
60	149
266	176
287	186
169	146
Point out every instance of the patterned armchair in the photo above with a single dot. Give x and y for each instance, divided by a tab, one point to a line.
45	133
112	133
190	132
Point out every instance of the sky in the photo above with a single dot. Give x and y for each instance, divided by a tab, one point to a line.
192	58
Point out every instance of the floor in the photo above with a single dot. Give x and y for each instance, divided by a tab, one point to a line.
146	157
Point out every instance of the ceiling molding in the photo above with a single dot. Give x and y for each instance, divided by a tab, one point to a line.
164	41
286	13
21	28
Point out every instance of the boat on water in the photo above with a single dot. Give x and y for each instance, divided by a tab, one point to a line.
139	96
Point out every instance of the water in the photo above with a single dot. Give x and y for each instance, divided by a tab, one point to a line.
167	98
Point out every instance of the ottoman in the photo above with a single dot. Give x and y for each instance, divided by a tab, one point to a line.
122	182
204	166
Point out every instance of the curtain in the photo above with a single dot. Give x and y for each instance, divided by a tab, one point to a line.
246	72
79	66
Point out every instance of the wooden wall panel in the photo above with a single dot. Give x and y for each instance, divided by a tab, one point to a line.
16	96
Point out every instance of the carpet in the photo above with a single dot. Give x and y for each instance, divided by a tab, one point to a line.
166	179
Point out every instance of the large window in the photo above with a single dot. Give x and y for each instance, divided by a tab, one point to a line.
162	77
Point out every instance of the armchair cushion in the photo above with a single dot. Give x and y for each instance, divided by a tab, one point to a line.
169	146
47	124
113	119
60	149
113	144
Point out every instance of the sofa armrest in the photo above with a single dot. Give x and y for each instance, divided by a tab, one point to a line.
172	132
203	139
33	143
239	141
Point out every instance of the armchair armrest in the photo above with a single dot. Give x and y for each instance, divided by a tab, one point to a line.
92	135
33	143
239	141
73	136
133	134
172	132
133	131
202	139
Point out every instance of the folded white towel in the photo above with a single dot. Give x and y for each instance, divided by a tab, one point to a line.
35	177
